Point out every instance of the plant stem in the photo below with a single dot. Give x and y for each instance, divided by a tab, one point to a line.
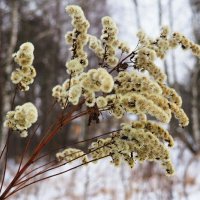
41	145
54	175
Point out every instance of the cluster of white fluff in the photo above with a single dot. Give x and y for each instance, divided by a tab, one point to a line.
60	94
185	43
149	49
109	40
86	84
71	154
95	45
138	94
21	118
106	47
97	80
78	38
129	90
101	102
140	140
124	47
24	76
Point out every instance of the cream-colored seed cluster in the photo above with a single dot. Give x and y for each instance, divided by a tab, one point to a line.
124	47
155	129
109	40
60	94
101	101
96	46
149	49
124	89
106	47
78	38
144	60
71	154
24	76
98	80
95	80
136	141
138	94
186	43
21	118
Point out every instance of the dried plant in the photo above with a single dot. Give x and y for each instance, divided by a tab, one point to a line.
125	82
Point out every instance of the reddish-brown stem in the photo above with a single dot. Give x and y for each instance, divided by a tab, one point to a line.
5	163
3	150
90	139
39	167
69	155
65	121
118	65
7	143
30	138
40	146
50	169
63	118
54	175
22	182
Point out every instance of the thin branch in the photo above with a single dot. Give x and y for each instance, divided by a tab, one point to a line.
90	139
53	175
6	159
50	169
30	138
7	144
119	64
39	167
70	154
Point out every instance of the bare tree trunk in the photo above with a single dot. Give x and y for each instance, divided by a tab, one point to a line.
5	91
160	18
1	68
195	4
170	7
87	183
137	14
195	102
6	97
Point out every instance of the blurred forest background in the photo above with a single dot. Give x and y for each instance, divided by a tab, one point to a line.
44	23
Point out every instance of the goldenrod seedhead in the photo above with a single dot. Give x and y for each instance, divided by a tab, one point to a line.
22	118
137	141
24	76
70	154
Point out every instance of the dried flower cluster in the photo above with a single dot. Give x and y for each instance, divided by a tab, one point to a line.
139	140
78	38
127	90
71	154
106	47
21	118
86	84
24	76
